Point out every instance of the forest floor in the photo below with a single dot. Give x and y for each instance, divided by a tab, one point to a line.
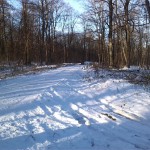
75	108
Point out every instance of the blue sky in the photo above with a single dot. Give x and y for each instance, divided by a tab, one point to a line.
76	4
14	2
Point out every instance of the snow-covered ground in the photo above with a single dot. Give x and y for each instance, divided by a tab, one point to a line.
61	110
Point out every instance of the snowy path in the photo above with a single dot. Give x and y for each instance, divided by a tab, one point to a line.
57	109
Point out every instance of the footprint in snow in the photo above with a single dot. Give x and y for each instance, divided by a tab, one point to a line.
81	119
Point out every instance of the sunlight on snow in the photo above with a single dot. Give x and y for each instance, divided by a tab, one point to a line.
58	110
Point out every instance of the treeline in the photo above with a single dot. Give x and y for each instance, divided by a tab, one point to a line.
111	32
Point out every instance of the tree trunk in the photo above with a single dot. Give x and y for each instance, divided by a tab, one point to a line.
110	34
127	30
148	7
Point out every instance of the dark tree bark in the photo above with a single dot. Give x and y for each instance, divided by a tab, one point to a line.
148	7
127	30
110	33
